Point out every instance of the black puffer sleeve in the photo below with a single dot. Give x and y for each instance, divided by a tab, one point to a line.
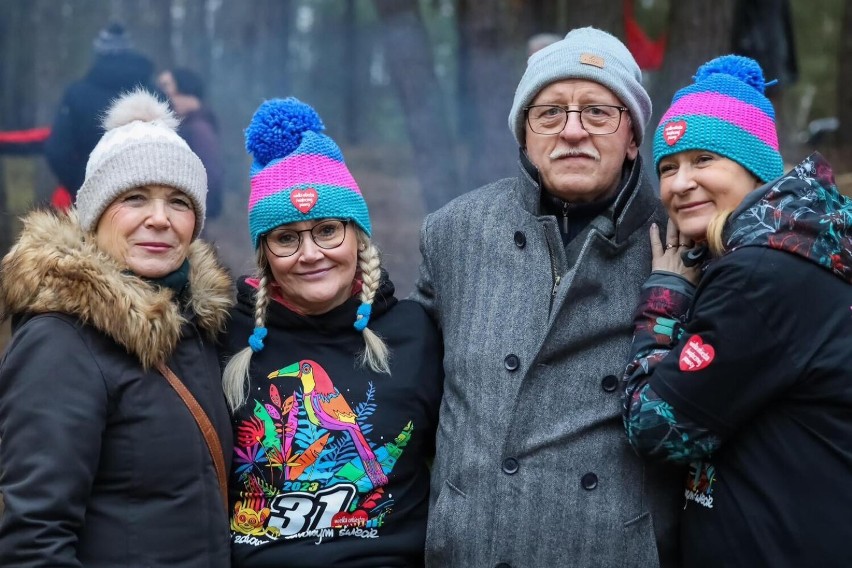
53	410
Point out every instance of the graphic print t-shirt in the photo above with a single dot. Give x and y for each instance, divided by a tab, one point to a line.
330	458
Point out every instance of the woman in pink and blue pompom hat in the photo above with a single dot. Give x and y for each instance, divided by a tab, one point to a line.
334	385
740	356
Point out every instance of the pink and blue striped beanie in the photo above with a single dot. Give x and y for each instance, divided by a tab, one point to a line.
726	112
298	173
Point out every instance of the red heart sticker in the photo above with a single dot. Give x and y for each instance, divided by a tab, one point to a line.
674	131
344	519
304	199
696	355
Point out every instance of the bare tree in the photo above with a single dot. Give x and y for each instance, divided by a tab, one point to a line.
844	93
408	52
492	52
698	31
604	14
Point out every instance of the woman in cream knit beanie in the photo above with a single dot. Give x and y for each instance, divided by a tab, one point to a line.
115	312
140	147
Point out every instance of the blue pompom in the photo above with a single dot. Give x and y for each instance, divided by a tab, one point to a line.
745	69
277	126
256	339
363	316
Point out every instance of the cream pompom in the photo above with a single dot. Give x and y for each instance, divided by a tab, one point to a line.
141	105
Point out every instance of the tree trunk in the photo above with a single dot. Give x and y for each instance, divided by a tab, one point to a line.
350	73
409	57
698	31
603	14
844	91
496	55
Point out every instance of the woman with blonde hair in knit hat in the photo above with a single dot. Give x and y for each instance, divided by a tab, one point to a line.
740	357
335	385
112	422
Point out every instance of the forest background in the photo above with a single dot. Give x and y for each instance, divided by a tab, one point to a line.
416	92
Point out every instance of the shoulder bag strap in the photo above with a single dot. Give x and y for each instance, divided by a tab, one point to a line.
204	425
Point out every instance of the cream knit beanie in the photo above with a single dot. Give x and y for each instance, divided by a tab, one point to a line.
140	147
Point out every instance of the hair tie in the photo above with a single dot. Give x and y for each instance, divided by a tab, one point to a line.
363	316
256	339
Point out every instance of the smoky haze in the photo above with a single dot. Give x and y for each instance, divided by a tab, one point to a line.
415	92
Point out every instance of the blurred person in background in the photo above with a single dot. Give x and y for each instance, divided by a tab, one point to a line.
335	385
538	42
740	358
116	68
199	127
115	308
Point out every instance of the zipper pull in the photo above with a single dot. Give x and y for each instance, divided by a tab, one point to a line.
555	285
565	218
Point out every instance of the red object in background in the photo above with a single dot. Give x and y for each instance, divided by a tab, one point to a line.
23	142
648	52
25	136
61	198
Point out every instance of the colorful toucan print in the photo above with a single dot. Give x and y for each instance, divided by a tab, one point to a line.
327	408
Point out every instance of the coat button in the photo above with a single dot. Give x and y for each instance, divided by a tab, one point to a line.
609	383
589	481
520	239
510	466
503	565
511	362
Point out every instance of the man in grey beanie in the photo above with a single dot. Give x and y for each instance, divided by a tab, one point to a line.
533	280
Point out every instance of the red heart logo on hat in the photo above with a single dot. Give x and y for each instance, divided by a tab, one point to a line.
674	131
696	355
304	199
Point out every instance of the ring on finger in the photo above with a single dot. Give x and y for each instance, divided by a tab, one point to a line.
683	244
670	247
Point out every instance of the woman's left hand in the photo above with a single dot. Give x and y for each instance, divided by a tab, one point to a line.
668	257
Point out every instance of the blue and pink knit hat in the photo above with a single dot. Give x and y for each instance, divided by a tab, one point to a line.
726	112
298	173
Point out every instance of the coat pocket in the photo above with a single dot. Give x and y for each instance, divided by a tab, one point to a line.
640	543
445	525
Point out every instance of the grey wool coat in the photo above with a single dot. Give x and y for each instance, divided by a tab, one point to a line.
533	467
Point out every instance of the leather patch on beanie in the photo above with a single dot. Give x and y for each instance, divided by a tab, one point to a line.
594	60
304	199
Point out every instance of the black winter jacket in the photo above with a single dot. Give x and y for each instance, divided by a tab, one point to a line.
101	464
751	382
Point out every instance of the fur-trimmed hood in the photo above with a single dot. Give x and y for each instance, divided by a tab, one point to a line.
55	267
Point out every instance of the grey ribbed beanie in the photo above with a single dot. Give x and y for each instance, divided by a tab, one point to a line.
585	53
140	147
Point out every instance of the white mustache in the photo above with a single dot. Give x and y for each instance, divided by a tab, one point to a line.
574	153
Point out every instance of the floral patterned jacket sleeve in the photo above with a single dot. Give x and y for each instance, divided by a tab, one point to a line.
654	427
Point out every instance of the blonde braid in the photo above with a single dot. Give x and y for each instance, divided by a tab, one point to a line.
236	377
376	354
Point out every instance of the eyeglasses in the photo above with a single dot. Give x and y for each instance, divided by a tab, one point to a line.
285	242
595	119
